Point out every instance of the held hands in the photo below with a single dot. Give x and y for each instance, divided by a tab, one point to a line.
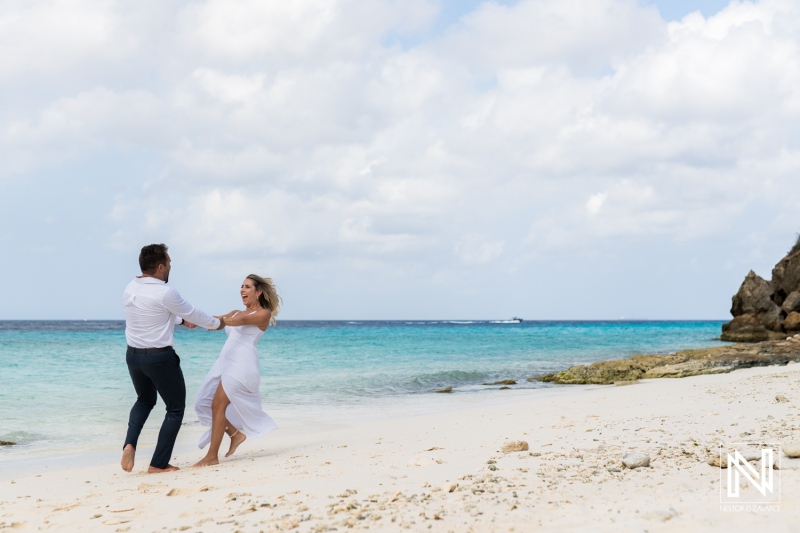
189	324
221	323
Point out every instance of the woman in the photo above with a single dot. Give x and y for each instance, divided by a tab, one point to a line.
229	400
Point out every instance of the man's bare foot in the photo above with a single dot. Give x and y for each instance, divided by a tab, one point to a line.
205	461
128	455
154	470
236	440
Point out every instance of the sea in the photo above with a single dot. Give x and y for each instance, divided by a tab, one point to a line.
65	392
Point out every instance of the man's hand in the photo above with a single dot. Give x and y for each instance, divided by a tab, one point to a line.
189	324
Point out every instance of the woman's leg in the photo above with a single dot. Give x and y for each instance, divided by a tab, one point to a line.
230	429
237	437
218	427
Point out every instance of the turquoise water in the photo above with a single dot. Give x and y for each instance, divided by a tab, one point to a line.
64	385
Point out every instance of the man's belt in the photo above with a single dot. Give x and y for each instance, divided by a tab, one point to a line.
145	351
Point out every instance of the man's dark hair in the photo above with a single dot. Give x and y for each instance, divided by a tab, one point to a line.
151	256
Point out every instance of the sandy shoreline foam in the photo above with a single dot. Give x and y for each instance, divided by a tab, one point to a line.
21	462
399	473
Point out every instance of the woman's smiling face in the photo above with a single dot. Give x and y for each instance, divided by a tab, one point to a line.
249	293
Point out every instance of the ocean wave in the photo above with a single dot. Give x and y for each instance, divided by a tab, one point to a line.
429	382
449	377
22	438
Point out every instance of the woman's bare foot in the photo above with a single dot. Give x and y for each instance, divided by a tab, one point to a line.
154	470
236	440
128	455
206	461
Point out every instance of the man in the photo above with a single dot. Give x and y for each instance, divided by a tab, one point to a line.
152	309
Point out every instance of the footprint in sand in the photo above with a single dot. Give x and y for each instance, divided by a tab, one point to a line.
184	492
150	487
424	460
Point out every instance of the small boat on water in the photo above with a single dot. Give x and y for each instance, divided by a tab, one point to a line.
516	320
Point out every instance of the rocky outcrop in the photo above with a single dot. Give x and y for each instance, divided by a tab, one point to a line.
755	298
792	322
760	308
689	368
718	359
747	328
786	277
791	303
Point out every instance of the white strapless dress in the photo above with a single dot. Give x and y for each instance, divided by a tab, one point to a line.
238	369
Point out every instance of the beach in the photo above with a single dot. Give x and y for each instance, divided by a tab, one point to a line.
447	471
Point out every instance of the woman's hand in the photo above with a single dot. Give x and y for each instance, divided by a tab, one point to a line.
221	323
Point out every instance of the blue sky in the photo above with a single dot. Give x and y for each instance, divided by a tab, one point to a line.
677	9
551	159
670	10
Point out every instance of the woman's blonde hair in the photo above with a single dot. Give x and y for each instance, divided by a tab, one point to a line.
269	298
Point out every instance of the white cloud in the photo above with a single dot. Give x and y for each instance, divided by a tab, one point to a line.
595	203
305	30
75	125
230	89
40	38
584	35
475	248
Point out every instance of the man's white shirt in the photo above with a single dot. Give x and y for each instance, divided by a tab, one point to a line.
152	308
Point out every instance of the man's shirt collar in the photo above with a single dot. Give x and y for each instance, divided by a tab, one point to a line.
149	279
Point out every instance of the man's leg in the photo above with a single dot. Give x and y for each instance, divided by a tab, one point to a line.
170	385
145	401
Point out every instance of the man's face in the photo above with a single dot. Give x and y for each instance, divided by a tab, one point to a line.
165	268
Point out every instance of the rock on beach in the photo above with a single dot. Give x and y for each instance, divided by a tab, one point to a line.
515	446
791	449
635	460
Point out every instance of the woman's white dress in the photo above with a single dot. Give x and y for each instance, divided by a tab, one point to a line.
238	369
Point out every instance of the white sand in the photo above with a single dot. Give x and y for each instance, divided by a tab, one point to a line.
398	474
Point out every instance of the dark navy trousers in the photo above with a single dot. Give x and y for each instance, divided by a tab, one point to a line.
156	371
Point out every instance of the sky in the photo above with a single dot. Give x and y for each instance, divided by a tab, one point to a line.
414	159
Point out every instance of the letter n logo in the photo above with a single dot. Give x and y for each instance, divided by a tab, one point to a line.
738	467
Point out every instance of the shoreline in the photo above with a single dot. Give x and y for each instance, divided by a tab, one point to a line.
398	473
21	463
